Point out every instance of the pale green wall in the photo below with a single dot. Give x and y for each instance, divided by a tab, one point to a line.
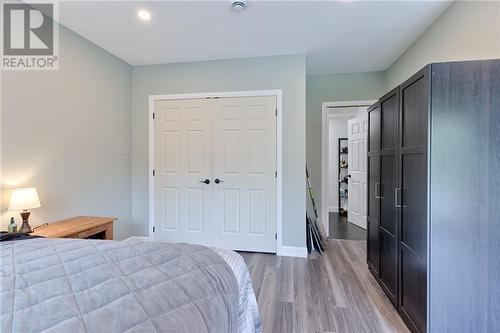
334	88
283	72
67	132
467	30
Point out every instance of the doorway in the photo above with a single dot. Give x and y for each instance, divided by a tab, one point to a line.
215	162
344	169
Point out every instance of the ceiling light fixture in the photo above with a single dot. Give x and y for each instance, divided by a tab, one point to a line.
144	15
239	6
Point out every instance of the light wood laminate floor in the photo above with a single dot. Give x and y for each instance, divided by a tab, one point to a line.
334	292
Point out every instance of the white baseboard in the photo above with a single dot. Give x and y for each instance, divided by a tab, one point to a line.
286	251
143	238
292	251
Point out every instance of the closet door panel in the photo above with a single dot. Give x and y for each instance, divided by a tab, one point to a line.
373	210
388	229
390	110
414	113
244	141
373	246
182	158
413	196
414	287
373	252
388	211
388	264
374	188
374	128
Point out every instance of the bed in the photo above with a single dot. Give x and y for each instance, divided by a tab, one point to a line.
74	285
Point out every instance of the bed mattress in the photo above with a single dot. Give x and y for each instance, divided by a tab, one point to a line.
62	285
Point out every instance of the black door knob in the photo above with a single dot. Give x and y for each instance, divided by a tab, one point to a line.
206	181
218	181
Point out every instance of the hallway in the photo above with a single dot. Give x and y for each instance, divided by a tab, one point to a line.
341	229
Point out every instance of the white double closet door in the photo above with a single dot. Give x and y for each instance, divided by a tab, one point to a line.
215	164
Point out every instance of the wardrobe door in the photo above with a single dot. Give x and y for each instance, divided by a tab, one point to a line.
373	217
412	198
389	213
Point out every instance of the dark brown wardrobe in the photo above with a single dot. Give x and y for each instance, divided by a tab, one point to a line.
433	197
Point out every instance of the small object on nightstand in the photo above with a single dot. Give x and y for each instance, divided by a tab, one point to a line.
23	199
12	226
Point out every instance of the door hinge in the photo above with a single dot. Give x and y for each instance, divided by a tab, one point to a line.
276	236
275	174
276	112
154	229
154	172
153	115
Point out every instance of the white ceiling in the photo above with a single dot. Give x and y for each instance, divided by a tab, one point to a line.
337	37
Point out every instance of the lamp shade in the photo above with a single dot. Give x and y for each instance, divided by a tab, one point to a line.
24	198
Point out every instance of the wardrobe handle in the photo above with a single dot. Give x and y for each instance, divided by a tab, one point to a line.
218	181
377	190
396	198
206	181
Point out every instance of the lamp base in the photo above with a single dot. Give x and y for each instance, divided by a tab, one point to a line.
25	228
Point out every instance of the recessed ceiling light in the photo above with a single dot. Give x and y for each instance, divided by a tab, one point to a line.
144	15
239	6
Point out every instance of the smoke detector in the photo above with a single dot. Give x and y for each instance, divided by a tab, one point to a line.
239	6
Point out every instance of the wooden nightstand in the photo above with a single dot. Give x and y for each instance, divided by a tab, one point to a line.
79	227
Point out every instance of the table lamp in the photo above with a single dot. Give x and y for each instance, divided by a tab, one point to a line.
23	199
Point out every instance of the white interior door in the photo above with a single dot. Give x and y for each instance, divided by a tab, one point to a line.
182	159
357	135
231	140
244	131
